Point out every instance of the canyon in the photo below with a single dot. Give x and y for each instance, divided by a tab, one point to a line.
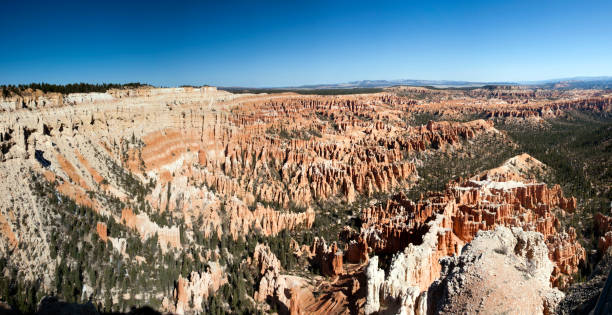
196	200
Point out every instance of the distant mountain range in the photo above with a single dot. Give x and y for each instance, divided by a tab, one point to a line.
387	83
572	79
602	82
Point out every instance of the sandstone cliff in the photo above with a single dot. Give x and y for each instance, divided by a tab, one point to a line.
196	165
191	291
437	227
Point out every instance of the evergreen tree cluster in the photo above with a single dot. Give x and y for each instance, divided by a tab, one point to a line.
67	88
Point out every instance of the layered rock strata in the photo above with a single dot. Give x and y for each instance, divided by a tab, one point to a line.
215	164
425	231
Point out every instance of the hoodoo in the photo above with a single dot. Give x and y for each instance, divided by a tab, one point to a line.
289	203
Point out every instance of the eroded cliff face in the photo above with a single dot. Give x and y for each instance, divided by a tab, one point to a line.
90	148
182	168
190	292
167	237
506	105
603	225
423	232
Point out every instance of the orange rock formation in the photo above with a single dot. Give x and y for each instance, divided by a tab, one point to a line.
470	206
603	223
226	164
102	231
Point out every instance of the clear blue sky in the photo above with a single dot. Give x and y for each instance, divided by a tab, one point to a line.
286	43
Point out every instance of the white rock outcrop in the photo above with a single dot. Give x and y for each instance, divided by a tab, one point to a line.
375	277
403	288
493	272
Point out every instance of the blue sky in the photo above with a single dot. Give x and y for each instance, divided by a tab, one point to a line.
288	43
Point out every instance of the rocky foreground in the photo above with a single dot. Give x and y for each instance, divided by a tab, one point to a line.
284	202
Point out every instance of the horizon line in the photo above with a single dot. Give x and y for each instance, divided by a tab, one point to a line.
336	84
